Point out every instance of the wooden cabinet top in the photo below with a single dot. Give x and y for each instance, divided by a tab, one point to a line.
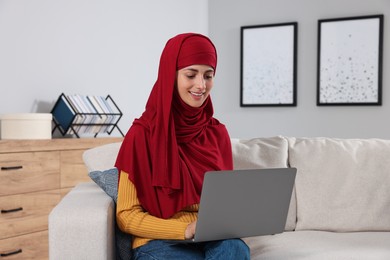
14	146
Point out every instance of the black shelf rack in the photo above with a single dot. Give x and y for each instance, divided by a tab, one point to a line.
77	114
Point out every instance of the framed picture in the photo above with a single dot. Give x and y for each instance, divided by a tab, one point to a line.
349	70
268	65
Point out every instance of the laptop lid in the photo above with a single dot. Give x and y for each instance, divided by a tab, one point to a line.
244	203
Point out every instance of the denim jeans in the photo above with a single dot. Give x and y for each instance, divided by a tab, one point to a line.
229	249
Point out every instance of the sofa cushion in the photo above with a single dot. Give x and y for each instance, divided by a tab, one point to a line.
321	245
102	157
341	184
267	152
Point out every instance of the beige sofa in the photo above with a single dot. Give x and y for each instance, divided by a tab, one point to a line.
340	208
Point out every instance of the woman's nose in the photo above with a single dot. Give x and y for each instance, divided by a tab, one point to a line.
201	83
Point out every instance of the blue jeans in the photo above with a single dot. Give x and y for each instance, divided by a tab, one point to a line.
222	249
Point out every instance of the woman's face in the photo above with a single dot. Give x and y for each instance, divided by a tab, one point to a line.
194	84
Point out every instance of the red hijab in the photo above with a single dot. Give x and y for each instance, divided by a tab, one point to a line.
167	151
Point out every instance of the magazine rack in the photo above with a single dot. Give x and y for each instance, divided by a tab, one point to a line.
77	114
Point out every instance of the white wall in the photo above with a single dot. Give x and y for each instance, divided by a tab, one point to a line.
100	47
307	119
94	47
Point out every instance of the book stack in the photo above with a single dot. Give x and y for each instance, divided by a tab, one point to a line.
84	114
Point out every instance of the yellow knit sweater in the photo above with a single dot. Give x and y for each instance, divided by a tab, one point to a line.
133	219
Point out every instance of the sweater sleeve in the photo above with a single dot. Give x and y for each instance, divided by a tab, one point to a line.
133	219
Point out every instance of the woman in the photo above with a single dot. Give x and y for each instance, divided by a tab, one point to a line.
166	153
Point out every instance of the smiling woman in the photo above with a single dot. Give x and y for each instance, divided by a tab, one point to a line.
166	153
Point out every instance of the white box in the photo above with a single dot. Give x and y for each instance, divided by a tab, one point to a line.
25	126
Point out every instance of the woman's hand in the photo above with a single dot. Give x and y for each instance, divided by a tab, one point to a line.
190	230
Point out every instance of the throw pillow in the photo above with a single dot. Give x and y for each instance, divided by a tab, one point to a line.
108	181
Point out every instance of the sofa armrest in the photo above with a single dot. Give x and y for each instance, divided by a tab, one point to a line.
82	225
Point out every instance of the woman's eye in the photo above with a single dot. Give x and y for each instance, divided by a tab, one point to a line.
190	76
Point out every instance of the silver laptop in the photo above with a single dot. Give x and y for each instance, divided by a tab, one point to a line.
243	203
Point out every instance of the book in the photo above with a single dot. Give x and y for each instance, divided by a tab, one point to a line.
63	113
100	117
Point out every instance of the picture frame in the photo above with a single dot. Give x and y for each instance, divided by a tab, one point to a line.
349	68
269	65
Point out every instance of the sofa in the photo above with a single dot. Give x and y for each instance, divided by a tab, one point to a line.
340	206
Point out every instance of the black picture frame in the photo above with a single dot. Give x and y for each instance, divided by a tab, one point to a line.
269	65
349	62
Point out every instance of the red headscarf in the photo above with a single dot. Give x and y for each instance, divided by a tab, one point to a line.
169	148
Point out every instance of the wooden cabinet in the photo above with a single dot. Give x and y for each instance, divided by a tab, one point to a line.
34	176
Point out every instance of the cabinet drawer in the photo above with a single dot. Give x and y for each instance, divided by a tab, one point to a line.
73	169
27	172
31	246
26	213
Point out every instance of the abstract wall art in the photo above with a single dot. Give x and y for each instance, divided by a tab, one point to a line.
268	65
349	69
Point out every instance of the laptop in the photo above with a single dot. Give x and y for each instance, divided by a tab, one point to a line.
243	203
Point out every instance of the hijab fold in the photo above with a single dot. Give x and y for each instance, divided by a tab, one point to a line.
167	151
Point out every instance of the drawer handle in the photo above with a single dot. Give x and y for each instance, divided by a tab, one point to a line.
17	251
10	168
4	211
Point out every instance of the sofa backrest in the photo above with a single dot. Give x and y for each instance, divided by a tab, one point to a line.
341	184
